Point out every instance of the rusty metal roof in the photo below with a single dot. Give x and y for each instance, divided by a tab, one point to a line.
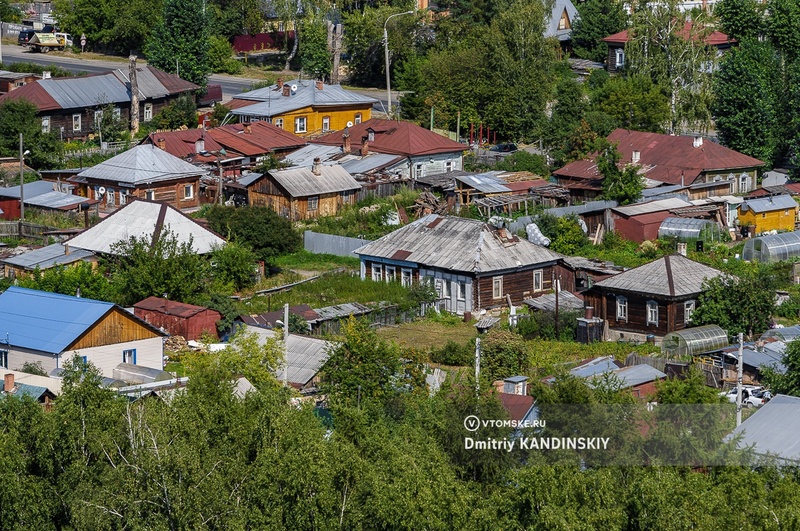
262	138
34	93
301	182
168	307
395	137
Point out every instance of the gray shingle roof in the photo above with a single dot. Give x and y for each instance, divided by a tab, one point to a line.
773	428
670	276
47	257
305	355
301	182
456	244
142	164
769	204
270	101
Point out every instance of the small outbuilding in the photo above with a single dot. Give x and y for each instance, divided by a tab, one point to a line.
768	213
772	248
178	318
691	341
684	229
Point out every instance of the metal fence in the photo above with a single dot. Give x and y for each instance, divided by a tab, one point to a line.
319	243
23	229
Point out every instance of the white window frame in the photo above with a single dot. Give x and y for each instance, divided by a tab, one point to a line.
419	170
619	55
98	119
76	123
406	276
448	166
150	195
117	113
123	197
497	287
4	359
357	118
313	202
300	124
326	123
148	112
377	272
447	289
389	273
622	309
744	183
652	313
462	291
688	309
278	123
538	280
45	124
190	188
110	197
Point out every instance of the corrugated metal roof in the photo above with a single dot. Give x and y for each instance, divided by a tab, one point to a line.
769	204
638	375
547	302
168	307
670	276
396	137
142	165
46	322
457	244
662	190
301	182
652	206
372	162
272	102
139	219
305	156
88	91
173	83
763	359
47	257
33	391
773	429
36	188
58	200
486	183
552	23
248	179
339	311
305	355
594	367
263	138
586	208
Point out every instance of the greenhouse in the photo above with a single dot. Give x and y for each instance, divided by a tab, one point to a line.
690	229
783	334
690	341
772	248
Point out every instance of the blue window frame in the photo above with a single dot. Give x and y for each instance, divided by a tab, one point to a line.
129	356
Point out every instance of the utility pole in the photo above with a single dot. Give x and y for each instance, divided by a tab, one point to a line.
386	57
477	366
21	185
739	380
286	344
558	288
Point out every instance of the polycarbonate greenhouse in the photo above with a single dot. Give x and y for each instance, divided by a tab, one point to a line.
690	341
772	248
690	229
784	334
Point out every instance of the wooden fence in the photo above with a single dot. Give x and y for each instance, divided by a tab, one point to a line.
388	316
23	229
668	366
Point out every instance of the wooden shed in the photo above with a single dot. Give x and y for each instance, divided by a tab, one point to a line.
178	318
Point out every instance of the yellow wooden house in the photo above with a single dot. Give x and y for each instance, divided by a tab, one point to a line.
303	107
769	213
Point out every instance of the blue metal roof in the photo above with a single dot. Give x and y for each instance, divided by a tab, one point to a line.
33	391
769	204
47	322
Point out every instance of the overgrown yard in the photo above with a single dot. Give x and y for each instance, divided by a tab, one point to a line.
427	334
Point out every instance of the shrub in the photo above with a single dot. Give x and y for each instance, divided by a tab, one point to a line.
454	354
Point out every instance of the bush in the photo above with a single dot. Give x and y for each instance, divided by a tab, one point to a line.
259	228
454	354
542	325
220	56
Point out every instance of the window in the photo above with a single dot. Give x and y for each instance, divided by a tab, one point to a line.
763	215
300	124
123	197
76	122
377	272
357	118
406	277
4	359
188	191
129	356
447	292
538	280
313	202
688	310
622	309
620	56
110	195
497	287
45	124
448	166
744	183
98	120
389	273
326	123
150	195
279	123
117	113
418	170
462	291
148	112
652	312
563	23
370	135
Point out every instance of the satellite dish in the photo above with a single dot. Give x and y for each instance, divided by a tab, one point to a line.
349	124
294	88
101	190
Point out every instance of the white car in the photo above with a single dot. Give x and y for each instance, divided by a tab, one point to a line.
752	396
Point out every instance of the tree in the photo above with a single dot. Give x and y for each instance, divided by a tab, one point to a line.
141	268
623	185
20	116
233	267
524	161
82	277
788	382
314	56
220	56
180	42
633	102
111	127
569	235
257	227
8	13
747	103
596	19
503	354
180	113
740	19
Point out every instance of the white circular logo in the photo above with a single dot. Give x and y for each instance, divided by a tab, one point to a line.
472	423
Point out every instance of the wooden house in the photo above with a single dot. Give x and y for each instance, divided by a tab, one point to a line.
49	328
44	258
305	356
178	318
303	106
653	299
777	212
472	265
38	393
10	81
304	193
143	172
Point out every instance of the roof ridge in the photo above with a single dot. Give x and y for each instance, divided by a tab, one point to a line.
670	280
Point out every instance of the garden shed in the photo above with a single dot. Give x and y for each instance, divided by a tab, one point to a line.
690	229
772	248
691	341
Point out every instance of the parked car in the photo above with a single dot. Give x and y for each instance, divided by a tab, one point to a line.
752	396
26	34
504	148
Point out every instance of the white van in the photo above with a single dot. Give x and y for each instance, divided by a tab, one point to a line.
67	38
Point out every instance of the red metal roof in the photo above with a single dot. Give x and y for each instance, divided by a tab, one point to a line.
665	158
715	38
237	103
395	137
168	307
171	82
34	93
262	138
523	186
182	144
517	406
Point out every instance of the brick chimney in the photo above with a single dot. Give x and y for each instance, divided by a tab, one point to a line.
364	146
316	169
280	83
320	85
8	383
345	142
134	95
162	143
287	90
248	129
